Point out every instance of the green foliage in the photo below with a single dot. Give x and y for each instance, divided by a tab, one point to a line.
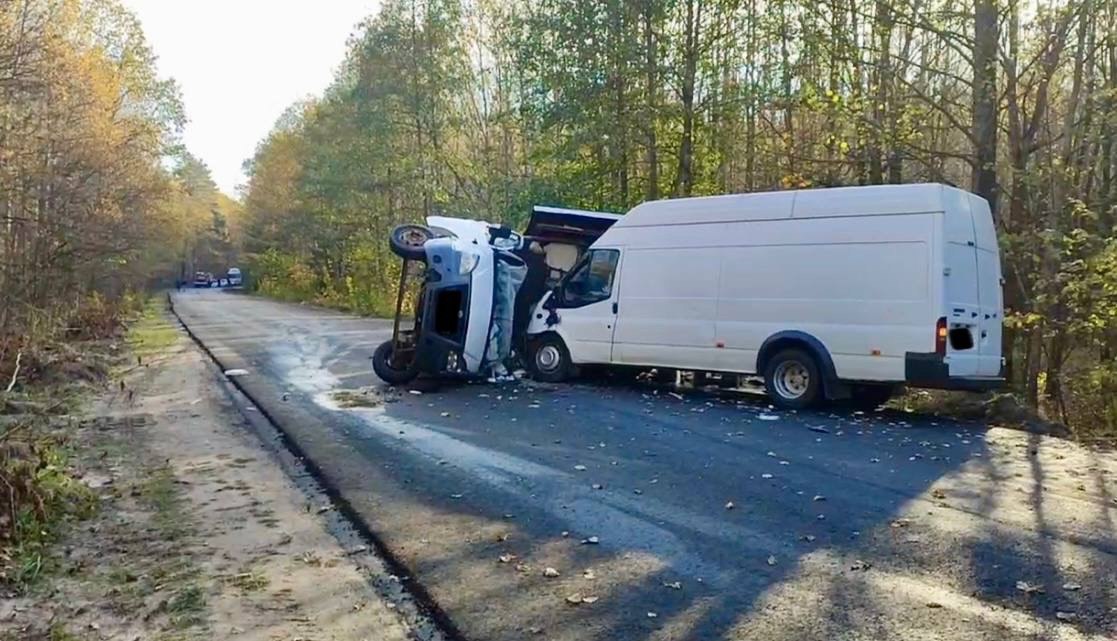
481	109
41	498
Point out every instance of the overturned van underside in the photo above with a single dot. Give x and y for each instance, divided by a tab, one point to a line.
483	280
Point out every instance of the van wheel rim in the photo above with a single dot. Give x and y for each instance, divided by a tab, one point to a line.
791	379
547	358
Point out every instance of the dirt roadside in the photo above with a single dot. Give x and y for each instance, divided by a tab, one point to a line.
199	533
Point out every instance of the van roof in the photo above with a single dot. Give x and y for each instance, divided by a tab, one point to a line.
803	203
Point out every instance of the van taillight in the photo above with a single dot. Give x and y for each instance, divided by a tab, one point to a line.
940	337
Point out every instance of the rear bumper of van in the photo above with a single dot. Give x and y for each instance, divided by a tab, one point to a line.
930	370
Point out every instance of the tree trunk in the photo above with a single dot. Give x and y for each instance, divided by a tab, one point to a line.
986	36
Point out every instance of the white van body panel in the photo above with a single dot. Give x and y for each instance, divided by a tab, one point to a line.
471	234
866	271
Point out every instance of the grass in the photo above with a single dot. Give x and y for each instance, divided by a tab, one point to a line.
152	333
187	606
160	494
248	581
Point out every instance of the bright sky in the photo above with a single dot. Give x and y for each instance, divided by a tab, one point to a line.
240	63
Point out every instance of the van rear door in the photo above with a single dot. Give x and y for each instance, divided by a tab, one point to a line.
989	289
962	295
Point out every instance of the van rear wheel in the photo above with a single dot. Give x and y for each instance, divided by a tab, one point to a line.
792	379
550	360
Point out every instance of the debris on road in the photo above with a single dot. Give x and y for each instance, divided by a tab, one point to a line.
768	417
771	560
236	372
580	468
674	585
729	505
860	566
550	572
1071	587
1028	588
578	599
593	540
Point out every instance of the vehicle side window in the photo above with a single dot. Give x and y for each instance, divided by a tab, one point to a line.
592	280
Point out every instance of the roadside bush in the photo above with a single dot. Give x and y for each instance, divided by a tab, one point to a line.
39	497
1091	403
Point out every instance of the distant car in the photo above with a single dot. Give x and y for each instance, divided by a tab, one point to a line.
202	279
224	282
234	276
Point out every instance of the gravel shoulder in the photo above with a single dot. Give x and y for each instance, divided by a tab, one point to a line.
200	532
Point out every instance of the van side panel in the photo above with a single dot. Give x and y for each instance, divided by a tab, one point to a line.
666	309
868	301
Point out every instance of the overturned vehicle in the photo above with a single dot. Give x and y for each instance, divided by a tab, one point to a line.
468	290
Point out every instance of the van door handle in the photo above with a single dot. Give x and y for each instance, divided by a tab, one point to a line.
614	308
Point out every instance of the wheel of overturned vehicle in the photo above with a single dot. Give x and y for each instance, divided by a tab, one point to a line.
550	360
388	370
792	379
407	241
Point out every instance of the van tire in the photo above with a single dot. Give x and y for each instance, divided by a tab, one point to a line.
549	360
389	373
407	241
793	379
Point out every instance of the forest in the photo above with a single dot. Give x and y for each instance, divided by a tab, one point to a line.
98	198
481	108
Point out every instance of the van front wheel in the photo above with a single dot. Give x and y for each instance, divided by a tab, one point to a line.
792	379
550	360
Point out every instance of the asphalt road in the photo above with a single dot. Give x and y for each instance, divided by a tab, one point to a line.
689	516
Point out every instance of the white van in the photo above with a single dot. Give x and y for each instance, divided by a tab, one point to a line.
826	293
